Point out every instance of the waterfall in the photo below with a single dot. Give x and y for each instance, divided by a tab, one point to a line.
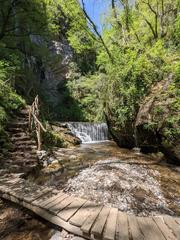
137	149
89	132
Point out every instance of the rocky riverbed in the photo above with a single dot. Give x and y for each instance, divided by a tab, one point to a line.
135	183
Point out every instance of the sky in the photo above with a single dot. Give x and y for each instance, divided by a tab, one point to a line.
96	10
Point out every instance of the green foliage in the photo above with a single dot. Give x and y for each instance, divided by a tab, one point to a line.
9	101
26	28
52	139
143	54
114	70
86	90
80	36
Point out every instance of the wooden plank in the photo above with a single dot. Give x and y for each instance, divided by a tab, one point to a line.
122	232
134	229
56	201
53	219
79	218
44	203
29	192
46	215
40	193
149	229
91	219
44	195
11	198
16	193
71	209
164	229
45	198
99	224
173	225
15	188
61	205
110	227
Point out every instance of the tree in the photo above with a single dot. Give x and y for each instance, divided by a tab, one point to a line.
96	30
157	15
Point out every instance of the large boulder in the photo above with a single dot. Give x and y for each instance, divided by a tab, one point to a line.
124	137
157	122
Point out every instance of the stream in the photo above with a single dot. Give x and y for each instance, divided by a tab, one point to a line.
104	173
100	171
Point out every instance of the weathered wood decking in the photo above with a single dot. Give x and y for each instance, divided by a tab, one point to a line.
84	218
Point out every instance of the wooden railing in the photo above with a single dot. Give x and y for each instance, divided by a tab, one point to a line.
34	122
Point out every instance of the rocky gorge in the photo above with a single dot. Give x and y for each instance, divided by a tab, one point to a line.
156	126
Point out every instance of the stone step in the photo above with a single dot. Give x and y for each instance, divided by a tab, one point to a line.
25	142
15	130
21	167
25	154
21	139
23	112
27	163
18	124
24	147
22	118
23	159
21	134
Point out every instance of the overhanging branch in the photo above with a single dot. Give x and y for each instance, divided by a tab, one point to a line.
95	30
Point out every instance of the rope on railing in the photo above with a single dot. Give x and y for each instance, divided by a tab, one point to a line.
34	122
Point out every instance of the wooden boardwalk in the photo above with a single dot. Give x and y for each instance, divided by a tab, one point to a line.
84	218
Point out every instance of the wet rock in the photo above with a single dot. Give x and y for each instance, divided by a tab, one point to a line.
140	194
41	154
73	157
53	167
124	137
65	134
56	236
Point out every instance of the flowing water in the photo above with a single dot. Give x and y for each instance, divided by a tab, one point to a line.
89	132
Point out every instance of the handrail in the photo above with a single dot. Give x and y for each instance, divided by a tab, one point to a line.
34	122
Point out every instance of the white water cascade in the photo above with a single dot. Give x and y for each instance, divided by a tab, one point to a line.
89	132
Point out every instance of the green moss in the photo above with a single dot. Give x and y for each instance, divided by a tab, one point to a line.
52	139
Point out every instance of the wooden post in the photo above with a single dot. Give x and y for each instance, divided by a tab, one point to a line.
38	131
34	121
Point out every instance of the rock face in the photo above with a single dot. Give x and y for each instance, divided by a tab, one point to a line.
157	121
66	134
124	137
54	76
47	73
156	127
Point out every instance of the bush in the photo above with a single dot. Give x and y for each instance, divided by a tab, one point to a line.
52	139
9	102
